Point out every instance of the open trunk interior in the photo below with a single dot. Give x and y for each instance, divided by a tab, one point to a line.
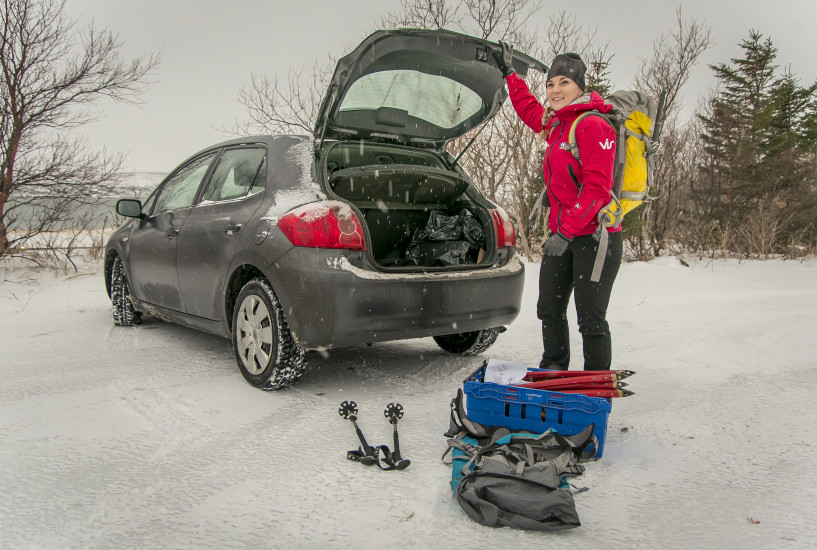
416	210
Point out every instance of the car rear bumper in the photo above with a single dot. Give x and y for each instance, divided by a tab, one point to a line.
336	304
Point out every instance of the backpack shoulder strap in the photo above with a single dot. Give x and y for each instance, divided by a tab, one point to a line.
621	150
571	136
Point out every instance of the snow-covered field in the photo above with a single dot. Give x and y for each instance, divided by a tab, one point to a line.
150	438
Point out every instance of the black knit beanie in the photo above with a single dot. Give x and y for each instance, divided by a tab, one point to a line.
569	65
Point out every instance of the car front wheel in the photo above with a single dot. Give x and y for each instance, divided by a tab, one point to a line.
468	343
124	315
265	351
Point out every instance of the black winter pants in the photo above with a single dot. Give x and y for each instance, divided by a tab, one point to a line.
559	276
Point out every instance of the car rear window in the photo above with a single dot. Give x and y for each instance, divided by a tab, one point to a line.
435	99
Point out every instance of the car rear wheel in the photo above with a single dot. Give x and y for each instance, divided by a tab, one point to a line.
265	351
468	343
124	315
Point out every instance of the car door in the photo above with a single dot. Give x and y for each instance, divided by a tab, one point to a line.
154	242
215	226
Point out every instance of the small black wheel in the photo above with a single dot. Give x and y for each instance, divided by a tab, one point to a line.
394	412
265	350
348	409
124	314
468	343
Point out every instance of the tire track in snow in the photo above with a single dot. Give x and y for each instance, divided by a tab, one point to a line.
268	447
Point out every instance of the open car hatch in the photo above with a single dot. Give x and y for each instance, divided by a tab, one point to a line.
415	87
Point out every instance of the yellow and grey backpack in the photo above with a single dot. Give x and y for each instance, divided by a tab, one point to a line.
632	118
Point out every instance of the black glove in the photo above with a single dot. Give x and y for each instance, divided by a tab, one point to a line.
505	59
556	245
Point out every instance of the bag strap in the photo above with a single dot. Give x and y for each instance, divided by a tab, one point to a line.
536	210
578	445
582	441
382	457
459	443
603	238
459	422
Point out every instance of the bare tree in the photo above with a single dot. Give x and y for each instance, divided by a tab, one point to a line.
667	70
673	57
291	107
564	34
51	75
424	14
501	19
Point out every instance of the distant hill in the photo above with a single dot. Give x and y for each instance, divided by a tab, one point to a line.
138	184
133	185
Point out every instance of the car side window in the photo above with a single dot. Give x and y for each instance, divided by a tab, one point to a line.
237	174
180	190
260	181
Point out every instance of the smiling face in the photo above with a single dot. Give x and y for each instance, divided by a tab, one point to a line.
562	91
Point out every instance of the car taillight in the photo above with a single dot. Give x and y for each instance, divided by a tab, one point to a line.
326	224
505	233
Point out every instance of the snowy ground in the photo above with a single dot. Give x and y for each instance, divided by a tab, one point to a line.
150	438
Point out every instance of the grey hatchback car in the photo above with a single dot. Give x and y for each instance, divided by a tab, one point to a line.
366	231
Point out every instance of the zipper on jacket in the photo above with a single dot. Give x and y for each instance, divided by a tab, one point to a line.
580	188
550	177
575	179
588	209
551	197
579	195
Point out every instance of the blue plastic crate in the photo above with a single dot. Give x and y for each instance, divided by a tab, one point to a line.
518	408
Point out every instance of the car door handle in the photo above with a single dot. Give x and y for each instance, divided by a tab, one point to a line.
232	228
172	232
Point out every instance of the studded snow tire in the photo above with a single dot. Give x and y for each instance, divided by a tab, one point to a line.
124	315
265	350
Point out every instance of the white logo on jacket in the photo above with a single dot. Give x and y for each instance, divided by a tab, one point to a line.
607	144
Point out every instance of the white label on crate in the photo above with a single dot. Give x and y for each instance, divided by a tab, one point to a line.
504	372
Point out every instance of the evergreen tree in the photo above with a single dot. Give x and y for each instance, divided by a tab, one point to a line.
757	183
598	75
738	115
789	160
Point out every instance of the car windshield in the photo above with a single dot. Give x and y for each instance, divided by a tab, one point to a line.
434	99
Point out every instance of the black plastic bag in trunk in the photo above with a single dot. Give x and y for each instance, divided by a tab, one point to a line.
431	253
447	240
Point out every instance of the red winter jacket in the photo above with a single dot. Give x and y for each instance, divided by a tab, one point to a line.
574	201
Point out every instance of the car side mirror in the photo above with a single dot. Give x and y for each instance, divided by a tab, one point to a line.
130	208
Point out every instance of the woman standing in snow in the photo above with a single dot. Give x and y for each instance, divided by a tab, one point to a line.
576	191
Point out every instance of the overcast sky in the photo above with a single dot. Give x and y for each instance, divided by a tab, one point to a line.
210	48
